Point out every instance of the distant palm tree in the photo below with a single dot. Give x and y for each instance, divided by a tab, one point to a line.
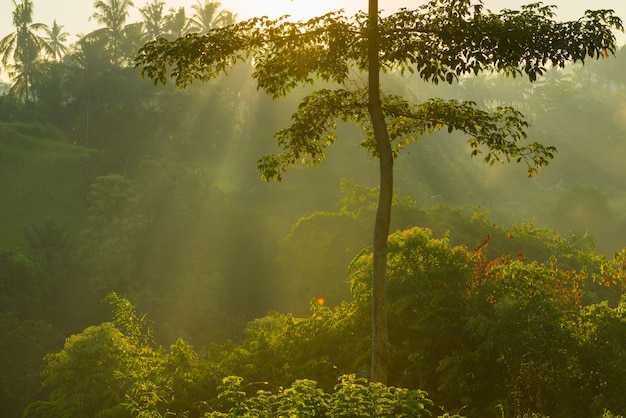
20	86
56	39
209	15
24	47
228	18
112	14
133	40
154	20
176	23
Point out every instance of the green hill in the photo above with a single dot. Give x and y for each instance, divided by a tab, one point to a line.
42	178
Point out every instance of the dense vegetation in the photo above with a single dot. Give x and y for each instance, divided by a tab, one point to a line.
510	303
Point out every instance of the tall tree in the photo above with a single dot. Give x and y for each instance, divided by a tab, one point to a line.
153	19
90	60
209	15
112	14
56	39
133	40
23	46
380	349
441	40
176	23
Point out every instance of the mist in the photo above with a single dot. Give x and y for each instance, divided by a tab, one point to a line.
194	209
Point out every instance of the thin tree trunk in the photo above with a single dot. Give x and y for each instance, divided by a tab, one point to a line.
380	349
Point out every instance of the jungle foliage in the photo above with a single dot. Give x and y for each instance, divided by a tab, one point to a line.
109	185
477	334
440	40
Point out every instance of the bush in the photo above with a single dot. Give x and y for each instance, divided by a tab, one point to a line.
352	397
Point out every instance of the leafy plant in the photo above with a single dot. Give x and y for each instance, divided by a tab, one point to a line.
352	397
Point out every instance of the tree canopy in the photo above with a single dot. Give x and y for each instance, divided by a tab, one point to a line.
24	47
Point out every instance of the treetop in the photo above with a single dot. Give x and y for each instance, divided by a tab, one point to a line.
442	40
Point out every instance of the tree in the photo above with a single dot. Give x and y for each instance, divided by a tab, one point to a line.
90	62
23	46
153	19
176	23
208	15
24	344
129	375
96	354
112	14
56	39
442	40
113	206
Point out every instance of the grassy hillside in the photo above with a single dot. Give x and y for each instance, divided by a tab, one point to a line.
41	178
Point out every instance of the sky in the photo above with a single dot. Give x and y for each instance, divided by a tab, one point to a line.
74	15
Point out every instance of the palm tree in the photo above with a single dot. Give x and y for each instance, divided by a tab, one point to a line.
176	23
208	15
56	39
154	20
228	18
20	86
133	40
112	14
23	46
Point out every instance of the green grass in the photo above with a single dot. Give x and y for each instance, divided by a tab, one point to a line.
41	178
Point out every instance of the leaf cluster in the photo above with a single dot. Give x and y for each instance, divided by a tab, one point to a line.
460	322
441	39
497	133
444	40
284	54
352	397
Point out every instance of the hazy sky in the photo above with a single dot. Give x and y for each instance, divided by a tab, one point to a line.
74	14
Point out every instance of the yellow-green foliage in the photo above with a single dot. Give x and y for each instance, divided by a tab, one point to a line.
479	335
352	397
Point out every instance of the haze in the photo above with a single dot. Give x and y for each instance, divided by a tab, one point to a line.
74	14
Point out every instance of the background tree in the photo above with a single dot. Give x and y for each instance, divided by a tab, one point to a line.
209	15
112	14
442	40
56	39
90	62
24	344
176	23
24	47
153	19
